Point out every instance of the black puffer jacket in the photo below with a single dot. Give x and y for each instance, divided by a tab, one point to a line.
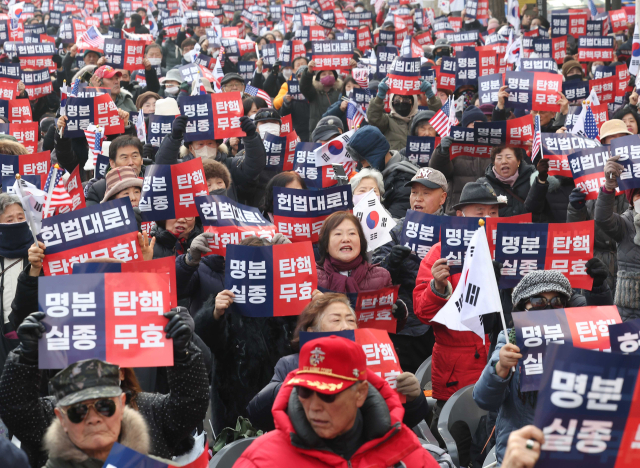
244	167
548	202
517	194
397	172
245	350
197	283
171	418
168	245
300	112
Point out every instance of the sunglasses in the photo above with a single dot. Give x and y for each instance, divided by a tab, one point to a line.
304	393
77	413
539	303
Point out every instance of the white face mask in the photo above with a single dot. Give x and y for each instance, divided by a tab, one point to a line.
359	9
205	152
269	127
636	206
287	72
155	61
215	54
171	90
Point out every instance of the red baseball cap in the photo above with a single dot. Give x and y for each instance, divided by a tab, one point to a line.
330	365
106	71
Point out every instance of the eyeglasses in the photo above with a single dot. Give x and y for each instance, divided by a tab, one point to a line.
304	393
77	413
539	303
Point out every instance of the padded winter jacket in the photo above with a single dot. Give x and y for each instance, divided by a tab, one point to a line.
517	194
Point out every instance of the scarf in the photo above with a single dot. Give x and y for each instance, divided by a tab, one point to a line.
15	240
345	284
506	180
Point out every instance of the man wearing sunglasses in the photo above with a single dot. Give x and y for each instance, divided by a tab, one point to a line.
91	416
333	409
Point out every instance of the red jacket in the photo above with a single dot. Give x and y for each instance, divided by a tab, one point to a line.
458	356
399	444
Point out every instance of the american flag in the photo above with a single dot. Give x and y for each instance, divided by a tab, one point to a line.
592	7
91	38
355	115
59	195
441	122
255	28
74	87
95	137
361	75
537	139
63	98
590	125
258	93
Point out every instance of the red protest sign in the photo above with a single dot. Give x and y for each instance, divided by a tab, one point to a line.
445	80
363	38
618	20
489	62
290	150
73	185
133	55
381	356
165	266
374	309
404	76
226	116
106	115
604	88
577	23
600	113
26	133
558	165
424	38
559	48
134	306
188	183
456	23
546	91
36	164
622	75
286	125
569	247
19	111
585	322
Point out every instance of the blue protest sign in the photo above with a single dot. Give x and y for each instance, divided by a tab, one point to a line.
520	89
294	90
455	234
102	166
124	457
9	180
159	127
575	90
488	87
628	148
467	68
275	147
420	231
304	163
625	337
419	149
521	248
308	336
199	110
385	56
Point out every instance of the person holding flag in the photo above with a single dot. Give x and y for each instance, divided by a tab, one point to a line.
339	108
458	356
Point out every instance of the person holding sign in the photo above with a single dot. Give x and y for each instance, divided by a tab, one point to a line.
321	90
322	404
329	312
171	418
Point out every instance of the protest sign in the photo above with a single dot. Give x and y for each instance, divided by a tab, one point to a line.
332	55
566	247
465	144
36	55
107	230
446	74
231	222
587	167
587	407
212	116
624	337
491	226
273	281
419	149
374	309
605	89
299	214
98	110
169	191
576	90
420	231
595	49
557	146
385	56
159	127
584	327
16	110
37	83
488	87
513	132
124	54
628	148
455	235
376	222
275	147
404	76
114	317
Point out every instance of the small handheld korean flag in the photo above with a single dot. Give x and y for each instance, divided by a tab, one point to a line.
476	293
376	222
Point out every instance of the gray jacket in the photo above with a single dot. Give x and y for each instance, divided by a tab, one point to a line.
620	228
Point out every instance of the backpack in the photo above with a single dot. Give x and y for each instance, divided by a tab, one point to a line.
439	455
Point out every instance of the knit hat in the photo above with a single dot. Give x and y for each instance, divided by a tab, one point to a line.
540	281
368	143
472	114
119	179
568	66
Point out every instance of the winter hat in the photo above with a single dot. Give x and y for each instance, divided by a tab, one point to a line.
173	75
167	106
540	281
571	64
472	114
213	168
479	193
119	179
368	143
328	128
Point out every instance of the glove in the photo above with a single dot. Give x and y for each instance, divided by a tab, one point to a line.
445	144
612	170
577	198
179	329
397	255
543	169
598	271
29	332
383	88
399	310
427	89
149	151
496	270
57	60
276	68
162	33
178	127
199	245
248	126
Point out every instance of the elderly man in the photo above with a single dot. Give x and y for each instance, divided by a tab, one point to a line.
91	416
332	409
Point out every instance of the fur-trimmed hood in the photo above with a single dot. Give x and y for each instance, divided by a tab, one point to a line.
336	86
414	109
133	434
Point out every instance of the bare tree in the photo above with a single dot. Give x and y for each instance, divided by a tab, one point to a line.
497	10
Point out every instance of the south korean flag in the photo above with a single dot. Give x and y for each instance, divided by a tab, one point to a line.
375	220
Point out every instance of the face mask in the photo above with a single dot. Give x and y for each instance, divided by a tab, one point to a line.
359	9
215	54
171	90
220	191
287	73
328	80
636	206
469	21
155	61
205	152
402	108
357	198
574	77
124	83
269	127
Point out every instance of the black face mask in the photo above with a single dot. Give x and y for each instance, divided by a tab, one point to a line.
402	108
220	191
124	84
574	77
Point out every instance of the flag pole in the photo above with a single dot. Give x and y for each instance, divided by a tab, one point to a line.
481	223
27	212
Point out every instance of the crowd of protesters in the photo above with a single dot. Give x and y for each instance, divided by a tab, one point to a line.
229	366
